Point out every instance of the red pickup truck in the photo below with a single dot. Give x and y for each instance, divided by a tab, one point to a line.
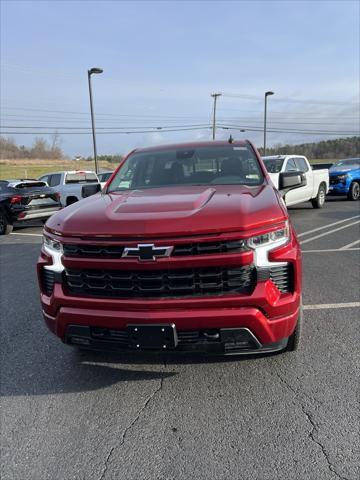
188	247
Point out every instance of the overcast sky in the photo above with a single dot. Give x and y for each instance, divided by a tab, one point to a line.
161	62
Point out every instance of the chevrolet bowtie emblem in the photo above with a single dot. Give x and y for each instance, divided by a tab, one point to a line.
147	252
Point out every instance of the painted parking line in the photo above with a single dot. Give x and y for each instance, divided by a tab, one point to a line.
329	232
322	306
350	245
341	250
327	226
27	234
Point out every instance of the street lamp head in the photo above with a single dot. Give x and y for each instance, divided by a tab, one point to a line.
95	70
268	93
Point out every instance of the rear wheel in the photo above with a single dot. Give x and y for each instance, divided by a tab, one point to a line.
354	191
71	200
5	226
319	200
295	338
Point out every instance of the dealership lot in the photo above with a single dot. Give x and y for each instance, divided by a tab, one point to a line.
99	416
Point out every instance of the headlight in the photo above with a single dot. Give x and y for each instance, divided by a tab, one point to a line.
52	245
55	249
342	178
274	237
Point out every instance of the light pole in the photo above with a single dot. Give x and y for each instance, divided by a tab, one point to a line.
265	113
215	96
90	72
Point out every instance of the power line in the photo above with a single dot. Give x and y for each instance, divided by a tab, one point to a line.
288	100
249	127
108	128
102	132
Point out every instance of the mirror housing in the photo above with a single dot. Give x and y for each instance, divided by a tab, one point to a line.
88	190
291	180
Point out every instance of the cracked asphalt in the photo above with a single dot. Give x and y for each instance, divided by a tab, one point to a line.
94	416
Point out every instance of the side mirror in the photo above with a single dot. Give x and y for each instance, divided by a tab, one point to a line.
291	180
88	190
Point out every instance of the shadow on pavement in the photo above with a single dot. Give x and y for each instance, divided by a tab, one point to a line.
67	375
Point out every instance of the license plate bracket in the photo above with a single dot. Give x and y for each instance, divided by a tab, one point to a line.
152	337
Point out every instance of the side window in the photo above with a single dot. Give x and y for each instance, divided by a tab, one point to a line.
302	165
54	180
291	165
45	178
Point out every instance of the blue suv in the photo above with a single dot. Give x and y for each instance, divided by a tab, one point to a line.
345	178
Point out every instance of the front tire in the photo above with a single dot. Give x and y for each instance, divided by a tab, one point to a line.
354	191
295	337
5	227
319	200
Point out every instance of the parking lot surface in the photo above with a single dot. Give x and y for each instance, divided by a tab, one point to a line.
95	416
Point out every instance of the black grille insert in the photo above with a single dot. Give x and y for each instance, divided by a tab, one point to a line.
282	277
47	278
115	251
161	283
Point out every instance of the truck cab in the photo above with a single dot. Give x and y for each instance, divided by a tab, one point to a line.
345	178
69	184
317	181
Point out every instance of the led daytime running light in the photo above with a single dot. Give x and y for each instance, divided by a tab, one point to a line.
269	238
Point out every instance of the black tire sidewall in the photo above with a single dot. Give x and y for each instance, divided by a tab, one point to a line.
351	191
316	201
295	338
3	223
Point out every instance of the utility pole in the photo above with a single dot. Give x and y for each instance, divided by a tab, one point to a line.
215	96
265	114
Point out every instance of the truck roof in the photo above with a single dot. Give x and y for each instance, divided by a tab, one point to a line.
69	171
209	143
281	157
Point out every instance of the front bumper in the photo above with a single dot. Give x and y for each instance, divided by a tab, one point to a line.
269	315
339	188
223	341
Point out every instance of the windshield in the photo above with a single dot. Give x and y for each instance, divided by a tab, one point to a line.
273	165
350	162
218	165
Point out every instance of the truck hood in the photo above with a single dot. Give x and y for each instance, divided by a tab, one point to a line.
170	211
339	170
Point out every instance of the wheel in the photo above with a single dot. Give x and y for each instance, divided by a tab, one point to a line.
295	338
5	226
319	200
71	200
354	191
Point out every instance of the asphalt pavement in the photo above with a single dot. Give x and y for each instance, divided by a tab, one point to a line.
95	416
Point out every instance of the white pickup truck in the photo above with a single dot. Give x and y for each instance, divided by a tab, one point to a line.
70	184
317	181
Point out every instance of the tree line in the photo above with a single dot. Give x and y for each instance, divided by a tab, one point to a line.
40	149
326	149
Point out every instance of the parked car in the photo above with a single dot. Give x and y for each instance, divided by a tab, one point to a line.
104	177
22	200
194	252
317	181
69	184
345	178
